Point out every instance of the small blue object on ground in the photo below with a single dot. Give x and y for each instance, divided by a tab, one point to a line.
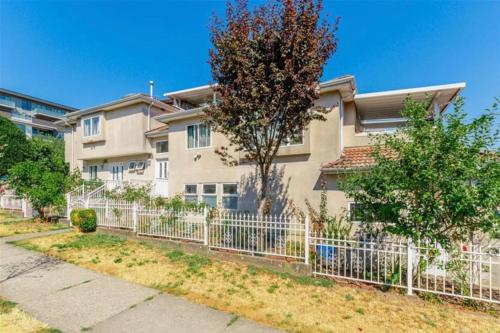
326	251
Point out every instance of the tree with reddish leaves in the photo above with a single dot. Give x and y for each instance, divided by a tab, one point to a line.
266	64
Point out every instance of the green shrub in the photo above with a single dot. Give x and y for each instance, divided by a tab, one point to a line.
74	217
84	219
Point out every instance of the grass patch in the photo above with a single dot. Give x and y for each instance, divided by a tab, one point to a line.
11	224
233	320
6	306
297	304
13	319
90	240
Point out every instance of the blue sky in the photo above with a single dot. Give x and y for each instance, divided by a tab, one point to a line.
86	53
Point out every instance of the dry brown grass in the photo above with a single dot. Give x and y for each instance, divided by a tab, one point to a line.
11	224
15	320
298	305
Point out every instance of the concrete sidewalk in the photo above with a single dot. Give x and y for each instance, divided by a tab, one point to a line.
72	298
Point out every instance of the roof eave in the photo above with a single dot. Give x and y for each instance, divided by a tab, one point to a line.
336	171
179	115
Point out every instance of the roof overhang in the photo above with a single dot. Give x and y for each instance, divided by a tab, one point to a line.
113	105
345	84
195	95
179	115
387	103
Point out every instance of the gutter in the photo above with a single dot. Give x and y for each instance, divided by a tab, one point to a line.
333	171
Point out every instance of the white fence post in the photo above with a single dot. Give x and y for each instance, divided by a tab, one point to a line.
24	207
106	210
134	216
307	222
68	208
1	201
205	226
409	268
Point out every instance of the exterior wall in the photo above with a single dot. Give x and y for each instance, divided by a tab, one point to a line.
296	173
122	138
104	168
351	122
297	176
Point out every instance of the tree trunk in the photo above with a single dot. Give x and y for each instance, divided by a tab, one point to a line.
264	204
41	213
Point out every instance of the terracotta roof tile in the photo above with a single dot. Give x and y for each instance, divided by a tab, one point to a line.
352	158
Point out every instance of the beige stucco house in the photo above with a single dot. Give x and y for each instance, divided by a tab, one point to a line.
141	139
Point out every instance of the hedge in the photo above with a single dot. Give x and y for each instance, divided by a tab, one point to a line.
84	219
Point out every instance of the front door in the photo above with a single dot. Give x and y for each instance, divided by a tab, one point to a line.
116	171
161	182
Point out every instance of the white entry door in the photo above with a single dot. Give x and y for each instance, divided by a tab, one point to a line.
161	182
116	171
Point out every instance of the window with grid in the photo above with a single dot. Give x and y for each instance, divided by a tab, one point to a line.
209	195
91	126
198	136
230	196
191	193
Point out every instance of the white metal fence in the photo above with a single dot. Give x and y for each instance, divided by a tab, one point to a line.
185	224
11	202
370	261
471	271
275	236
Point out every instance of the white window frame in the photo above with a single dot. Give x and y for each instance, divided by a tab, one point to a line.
98	132
140	165
237	195
90	171
203	194
119	174
131	166
156	147
197	126
162	172
195	195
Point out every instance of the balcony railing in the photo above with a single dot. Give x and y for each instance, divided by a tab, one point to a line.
7	102
50	113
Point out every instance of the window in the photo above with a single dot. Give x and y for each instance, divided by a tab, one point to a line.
209	196
356	212
378	213
161	169
162	147
140	165
190	193
91	126
230	196
198	136
131	166
117	172
296	139
92	172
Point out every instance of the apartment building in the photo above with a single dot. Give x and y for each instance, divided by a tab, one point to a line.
34	116
141	139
